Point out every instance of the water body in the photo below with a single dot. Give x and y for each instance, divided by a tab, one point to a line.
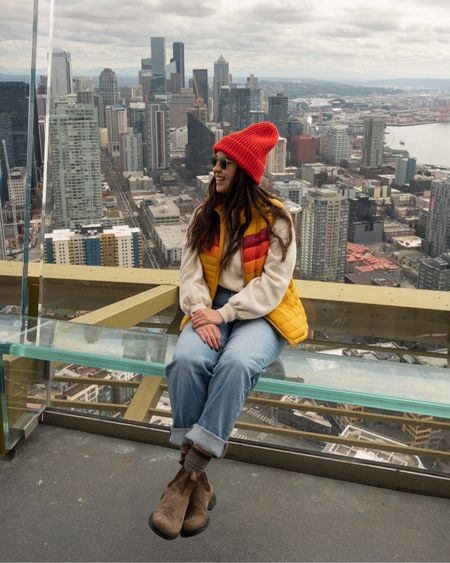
430	144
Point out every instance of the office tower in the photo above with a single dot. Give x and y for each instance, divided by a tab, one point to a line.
324	225
257	116
438	225
276	159
178	57
87	97
75	186
136	116
82	84
157	136
221	78
116	122
199	147
17	183
179	105
200	85
224	111
93	245
278	109
158	53
131	151
61	75
374	127
405	170
434	273
255	91
108	90
14	130
337	144
239	108
303	149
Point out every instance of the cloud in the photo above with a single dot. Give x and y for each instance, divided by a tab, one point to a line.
326	39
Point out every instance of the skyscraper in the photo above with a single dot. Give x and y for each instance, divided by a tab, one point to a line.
107	88
199	146
239	108
278	109
276	159
200	84
438	225
14	130
131	151
324	226
158	53
157	136
178	57
405	170
221	78
74	164
337	144
116	122
61	75
374	127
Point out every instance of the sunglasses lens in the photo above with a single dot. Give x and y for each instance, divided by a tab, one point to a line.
223	163
214	160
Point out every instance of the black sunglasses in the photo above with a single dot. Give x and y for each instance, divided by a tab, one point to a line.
223	162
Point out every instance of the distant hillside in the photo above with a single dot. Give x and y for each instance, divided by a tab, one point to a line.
13	78
416	83
308	88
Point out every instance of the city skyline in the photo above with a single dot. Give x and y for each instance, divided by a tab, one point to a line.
346	40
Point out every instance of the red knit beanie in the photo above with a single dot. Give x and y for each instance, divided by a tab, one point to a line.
249	148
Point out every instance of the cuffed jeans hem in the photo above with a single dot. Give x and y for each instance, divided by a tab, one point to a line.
178	436
207	440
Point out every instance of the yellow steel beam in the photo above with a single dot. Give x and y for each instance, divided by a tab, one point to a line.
129	312
145	398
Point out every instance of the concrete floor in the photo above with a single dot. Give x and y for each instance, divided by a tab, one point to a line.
72	496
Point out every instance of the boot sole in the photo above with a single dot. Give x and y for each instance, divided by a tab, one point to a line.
211	505
160	533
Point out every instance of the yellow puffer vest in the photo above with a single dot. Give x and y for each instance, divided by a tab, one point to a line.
289	318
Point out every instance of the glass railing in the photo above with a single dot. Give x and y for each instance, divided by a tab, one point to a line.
345	405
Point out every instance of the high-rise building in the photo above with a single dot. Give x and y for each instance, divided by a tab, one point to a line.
131	151
337	144
438	225
221	78
87	97
108	90
199	147
136	116
178	57
276	159
116	122
434	273
75	185
239	108
179	105
255	92
92	245
17	183
224	103
14	131
303	149
278	109
324	225
61	75
405	170
158	53
157	136
374	127
200	85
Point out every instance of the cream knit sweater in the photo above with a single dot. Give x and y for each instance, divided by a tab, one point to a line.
257	298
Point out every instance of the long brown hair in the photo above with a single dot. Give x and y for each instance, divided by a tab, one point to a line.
239	200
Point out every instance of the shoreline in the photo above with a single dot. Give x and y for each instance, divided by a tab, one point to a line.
416	124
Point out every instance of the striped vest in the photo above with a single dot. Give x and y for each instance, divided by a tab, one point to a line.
288	318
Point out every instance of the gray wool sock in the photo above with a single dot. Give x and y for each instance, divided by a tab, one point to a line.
196	462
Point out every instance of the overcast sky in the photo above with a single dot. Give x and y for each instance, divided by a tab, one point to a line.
329	39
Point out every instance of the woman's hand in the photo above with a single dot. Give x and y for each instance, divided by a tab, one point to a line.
210	335
205	316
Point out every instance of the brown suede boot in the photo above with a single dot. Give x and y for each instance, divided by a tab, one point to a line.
167	519
203	498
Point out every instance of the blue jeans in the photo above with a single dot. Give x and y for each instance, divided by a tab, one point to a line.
208	388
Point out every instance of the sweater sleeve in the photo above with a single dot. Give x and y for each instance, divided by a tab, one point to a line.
194	293
264	293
